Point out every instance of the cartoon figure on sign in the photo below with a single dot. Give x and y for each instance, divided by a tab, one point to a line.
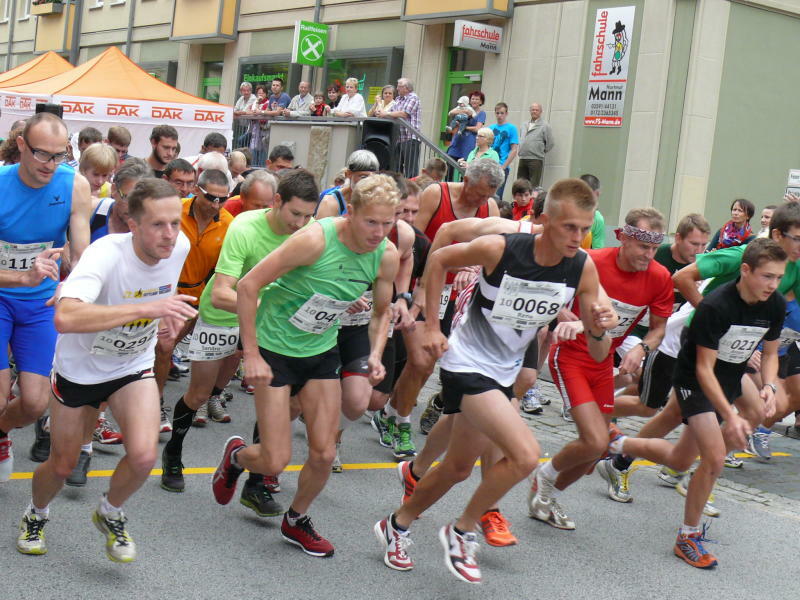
620	47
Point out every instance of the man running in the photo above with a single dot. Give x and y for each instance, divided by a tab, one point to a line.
360	164
108	315
290	344
42	200
727	327
524	282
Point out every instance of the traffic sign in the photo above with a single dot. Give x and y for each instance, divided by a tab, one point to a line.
310	42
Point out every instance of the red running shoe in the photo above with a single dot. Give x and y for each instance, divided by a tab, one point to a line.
496	530
407	479
303	534
224	482
395	544
105	433
690	549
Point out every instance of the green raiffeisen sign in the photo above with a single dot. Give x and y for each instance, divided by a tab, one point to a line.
310	42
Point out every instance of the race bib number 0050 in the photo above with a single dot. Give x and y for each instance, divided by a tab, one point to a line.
628	313
523	304
319	313
20	257
738	343
212	342
128	340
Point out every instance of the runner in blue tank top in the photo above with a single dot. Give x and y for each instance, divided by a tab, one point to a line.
41	201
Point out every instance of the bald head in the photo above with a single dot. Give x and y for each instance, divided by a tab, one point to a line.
536	111
46	123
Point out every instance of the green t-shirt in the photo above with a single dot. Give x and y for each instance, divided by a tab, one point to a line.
313	296
249	239
598	230
724	265
490	153
664	257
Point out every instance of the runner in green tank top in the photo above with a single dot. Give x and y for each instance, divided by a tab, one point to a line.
289	343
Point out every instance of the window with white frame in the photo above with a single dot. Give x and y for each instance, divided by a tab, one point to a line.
24	9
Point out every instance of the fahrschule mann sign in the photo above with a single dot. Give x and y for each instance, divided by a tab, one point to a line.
477	36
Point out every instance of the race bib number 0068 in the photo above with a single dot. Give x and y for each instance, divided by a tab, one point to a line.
523	304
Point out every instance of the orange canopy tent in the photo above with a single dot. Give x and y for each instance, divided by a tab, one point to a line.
42	67
111	90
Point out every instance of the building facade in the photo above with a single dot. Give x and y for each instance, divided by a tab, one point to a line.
706	114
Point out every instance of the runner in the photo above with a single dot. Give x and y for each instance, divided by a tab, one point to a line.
524	282
634	282
181	175
728	325
293	347
164	142
108	317
439	204
360	164
41	201
251	236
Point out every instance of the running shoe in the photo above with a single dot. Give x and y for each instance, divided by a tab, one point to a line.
171	473
200	418
758	444
618	487
174	373
303	534
566	414
395	543
216	411
257	497
166	426
385	426
431	414
708	509
6	459
732	462
177	363
404	448
78	477
543	507
272	484
530	403
246	387
690	549
224	482
119	544
336	465
543	398
105	434
670	476
407	480
31	534
40	449
459	554
496	529
226	396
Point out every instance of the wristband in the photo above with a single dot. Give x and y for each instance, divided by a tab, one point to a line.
646	347
407	297
597	338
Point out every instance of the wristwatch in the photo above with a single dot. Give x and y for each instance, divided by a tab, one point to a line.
646	347
771	385
407	297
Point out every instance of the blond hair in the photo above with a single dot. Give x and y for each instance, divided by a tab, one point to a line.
100	157
375	189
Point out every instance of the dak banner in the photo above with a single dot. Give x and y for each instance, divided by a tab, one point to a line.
608	66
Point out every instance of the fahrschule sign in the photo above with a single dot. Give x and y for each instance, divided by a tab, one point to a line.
477	36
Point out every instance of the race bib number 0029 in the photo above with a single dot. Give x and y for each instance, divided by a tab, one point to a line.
20	257
212	342
628	313
738	343
128	340
319	313
523	304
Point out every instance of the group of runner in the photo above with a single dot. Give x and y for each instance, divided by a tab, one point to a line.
344	305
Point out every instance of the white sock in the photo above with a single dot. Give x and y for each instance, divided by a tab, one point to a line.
39	512
102	415
88	448
688	529
105	508
46	425
389	410
402	419
615	447
549	472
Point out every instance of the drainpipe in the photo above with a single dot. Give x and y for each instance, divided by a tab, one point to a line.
129	36
75	45
12	19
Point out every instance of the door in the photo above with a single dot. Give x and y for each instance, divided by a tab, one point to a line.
464	77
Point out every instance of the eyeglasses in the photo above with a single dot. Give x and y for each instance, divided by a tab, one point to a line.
212	197
45	157
794	238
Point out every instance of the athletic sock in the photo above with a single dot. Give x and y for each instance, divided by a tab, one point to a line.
393	520
292	516
105	508
41	512
87	448
3	434
549	471
622	462
688	529
402	419
216	391
181	423
615	447
389	411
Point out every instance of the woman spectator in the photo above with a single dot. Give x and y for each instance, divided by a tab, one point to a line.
737	231
384	101
483	149
256	144
352	103
334	96
464	141
9	151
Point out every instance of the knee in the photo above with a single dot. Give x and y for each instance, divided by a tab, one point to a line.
420	364
322	456
457	472
63	465
648	412
715	464
33	407
194	400
524	462
274	463
596	444
142	462
683	463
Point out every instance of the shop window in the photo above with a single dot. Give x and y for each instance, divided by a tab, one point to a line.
370	72
212	81
263	74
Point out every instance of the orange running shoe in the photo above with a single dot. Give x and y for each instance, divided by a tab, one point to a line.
690	549
407	480
495	529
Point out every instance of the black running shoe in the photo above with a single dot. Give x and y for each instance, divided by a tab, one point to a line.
171	473
40	449
256	497
78	476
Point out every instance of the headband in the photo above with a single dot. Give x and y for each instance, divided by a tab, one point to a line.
643	235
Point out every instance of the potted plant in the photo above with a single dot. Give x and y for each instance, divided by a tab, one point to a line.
46	7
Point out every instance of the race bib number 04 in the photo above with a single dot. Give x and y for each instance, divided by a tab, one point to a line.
319	313
20	257
628	313
523	304
212	342
128	340
738	343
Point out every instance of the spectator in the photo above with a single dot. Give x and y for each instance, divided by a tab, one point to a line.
97	163
180	175
522	192
483	149
300	106
9	150
257	191
279	99
119	138
506	141
87	137
383	102
243	107
596	238
464	142
435	168
766	217
281	157
737	231
406	106
334	96
319	108
258	127
537	140
352	103
164	142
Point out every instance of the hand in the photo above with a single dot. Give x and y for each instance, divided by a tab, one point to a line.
791	197
604	317
462	163
376	370
170	328
735	432
464	278
358	306
755	361
435	342
54	298
256	370
566	330
287	112
44	266
402	316
172	306
632	361
768	396
566	314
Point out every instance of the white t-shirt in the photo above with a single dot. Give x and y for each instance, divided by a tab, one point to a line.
109	273
354	105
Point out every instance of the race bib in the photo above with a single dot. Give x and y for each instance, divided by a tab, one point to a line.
319	313
738	343
788	337
212	342
444	299
523	304
20	257
359	318
128	340
627	315
645	320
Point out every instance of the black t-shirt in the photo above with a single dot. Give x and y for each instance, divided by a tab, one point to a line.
726	323
421	246
664	257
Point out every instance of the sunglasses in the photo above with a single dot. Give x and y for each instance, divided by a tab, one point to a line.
212	197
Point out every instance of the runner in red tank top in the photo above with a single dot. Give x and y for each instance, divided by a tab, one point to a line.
439	204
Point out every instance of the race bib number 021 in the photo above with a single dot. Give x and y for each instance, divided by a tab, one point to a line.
319	313
212	342
738	343
128	340
20	257
628	313
523	304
